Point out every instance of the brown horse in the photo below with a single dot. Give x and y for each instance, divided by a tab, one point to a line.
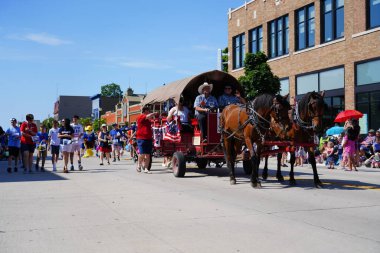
307	116
264	117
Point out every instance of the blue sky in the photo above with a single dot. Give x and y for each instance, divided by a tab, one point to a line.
72	47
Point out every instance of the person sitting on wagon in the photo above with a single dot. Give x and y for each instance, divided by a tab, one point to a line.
182	112
229	97
203	104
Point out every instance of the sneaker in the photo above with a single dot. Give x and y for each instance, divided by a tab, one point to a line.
36	167
42	169
15	169
30	171
284	165
147	171
80	166
101	164
54	169
114	160
138	169
9	170
72	167
118	158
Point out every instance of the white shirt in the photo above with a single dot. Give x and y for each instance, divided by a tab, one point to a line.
182	115
53	134
78	131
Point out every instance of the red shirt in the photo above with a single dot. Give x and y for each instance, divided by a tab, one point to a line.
27	127
144	128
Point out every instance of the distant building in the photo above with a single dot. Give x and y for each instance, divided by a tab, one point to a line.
102	104
68	106
124	111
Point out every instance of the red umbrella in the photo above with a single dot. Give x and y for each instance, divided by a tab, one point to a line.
348	114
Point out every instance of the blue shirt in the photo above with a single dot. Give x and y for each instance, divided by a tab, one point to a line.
225	100
203	102
14	135
43	137
114	135
89	137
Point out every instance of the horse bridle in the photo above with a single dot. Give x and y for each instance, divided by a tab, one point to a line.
303	124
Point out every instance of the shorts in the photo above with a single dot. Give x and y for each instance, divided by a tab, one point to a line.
145	146
14	151
76	146
66	148
106	149
54	150
28	147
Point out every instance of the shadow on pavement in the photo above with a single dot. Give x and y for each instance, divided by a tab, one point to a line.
29	177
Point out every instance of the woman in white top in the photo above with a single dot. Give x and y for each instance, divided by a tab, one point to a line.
182	113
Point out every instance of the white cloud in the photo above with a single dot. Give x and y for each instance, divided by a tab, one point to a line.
41	38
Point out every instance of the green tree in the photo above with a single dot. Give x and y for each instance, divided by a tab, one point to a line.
97	123
225	59
85	121
258	77
48	123
111	90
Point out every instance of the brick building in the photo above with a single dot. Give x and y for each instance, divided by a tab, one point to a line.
125	111
331	45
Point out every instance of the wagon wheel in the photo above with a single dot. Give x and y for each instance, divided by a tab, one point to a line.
247	166
201	163
178	164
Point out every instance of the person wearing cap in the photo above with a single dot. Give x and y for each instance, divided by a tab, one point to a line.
104	144
204	102
66	134
369	140
230	96
144	136
116	135
13	133
77	142
28	141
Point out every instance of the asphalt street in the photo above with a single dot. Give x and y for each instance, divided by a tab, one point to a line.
113	208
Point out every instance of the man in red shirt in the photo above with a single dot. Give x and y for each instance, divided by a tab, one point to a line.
144	136
28	139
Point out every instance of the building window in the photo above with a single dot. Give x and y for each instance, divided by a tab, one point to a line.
284	86
373	13
324	80
334	105
332	20
369	103
305	27
368	73
278	37
256	40
239	51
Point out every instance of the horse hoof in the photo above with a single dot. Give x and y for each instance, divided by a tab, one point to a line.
319	185
292	182
256	185
280	179
232	181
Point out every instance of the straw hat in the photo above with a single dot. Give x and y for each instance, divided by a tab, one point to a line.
205	84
